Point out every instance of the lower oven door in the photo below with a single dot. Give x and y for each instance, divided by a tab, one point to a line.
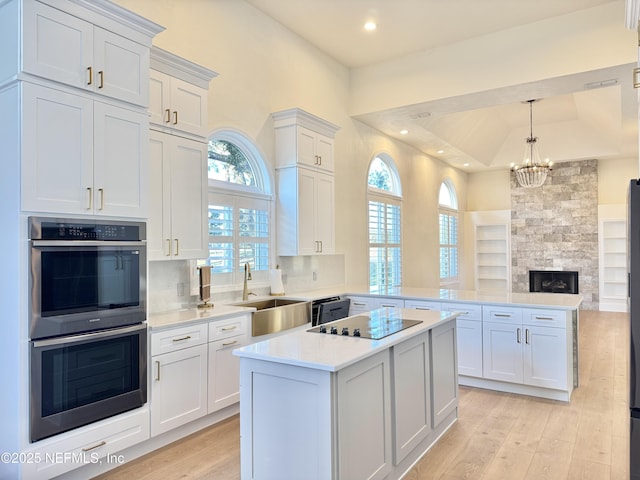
76	380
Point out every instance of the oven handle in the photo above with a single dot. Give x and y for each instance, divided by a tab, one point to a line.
85	243
89	336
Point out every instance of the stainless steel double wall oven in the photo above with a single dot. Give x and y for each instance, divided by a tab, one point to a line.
87	311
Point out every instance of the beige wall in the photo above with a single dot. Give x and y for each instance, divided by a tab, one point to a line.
613	180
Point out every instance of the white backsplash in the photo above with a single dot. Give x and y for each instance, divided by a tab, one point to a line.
169	283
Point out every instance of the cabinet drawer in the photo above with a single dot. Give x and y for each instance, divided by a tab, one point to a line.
228	327
544	317
389	302
422	305
178	338
501	313
469	311
362	304
88	444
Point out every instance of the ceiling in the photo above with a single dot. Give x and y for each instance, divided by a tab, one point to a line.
583	116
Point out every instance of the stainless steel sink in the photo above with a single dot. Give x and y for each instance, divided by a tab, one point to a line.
277	314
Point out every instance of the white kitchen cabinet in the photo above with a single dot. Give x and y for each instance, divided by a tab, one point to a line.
469	337
302	139
224	368
528	346
177	225
85	445
422	304
364	418
305	212
65	48
76	152
444	372
367	304
179	377
305	183
412	395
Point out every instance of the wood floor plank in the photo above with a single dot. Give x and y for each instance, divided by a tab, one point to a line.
497	436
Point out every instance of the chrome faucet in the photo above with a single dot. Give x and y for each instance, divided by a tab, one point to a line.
247	276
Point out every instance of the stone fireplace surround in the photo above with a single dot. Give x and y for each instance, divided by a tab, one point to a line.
555	227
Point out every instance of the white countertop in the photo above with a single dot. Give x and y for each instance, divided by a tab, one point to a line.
562	301
172	319
334	352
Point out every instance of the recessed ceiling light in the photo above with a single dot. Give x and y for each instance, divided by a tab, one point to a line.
466	164
370	26
404	132
440	151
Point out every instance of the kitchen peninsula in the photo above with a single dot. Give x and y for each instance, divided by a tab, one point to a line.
323	406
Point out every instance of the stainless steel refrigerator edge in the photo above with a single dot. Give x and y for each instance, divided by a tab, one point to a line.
633	235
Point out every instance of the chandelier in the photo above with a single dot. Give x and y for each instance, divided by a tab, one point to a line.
532	172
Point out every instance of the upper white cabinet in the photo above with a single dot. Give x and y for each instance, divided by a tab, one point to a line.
82	69
304	160
178	94
65	48
302	139
177	225
74	153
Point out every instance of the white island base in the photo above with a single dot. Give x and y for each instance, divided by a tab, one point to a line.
316	406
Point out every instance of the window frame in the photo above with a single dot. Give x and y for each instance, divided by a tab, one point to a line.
451	211
391	197
242	196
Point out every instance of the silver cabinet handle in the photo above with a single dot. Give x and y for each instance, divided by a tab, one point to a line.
158	370
422	308
177	247
168	240
229	343
502	315
230	327
90	192
544	318
526	336
519	336
101	191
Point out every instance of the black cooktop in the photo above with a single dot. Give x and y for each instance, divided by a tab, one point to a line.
379	325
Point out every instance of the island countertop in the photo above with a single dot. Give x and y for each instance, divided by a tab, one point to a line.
334	352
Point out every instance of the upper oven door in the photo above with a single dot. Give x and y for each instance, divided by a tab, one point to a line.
85	286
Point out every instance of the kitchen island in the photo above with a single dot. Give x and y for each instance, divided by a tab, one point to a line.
323	406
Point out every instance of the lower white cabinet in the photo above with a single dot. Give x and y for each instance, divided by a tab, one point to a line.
179	376
367	304
412	395
223	385
528	346
364	418
444	372
469	334
86	445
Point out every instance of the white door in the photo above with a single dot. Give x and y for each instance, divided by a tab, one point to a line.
502	351
121	163
545	357
57	157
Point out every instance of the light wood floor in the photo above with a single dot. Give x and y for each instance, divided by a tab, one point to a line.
498	436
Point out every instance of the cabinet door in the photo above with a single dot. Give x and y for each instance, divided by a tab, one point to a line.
307	244
188	107
178	388
324	151
57	157
444	371
121	161
159	98
120	67
189	199
159	222
364	419
59	46
545	357
502	351
224	373
412	394
306	142
469	334
324	214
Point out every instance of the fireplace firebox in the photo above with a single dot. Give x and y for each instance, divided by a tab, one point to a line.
553	281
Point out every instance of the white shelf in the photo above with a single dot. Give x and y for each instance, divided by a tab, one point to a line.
492	251
612	234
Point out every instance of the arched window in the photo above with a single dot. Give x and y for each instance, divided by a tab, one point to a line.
385	235
239	210
448	221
